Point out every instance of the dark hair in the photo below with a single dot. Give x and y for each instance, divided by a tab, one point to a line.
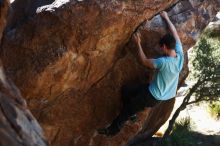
168	40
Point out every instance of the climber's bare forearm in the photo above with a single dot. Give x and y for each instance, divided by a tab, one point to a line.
147	62
141	53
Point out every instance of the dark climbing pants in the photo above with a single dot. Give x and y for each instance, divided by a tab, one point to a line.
135	99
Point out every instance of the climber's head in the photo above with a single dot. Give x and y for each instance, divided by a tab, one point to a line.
167	42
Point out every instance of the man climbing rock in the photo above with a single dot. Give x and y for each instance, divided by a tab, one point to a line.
164	85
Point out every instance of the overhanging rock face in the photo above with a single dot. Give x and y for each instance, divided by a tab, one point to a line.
71	58
17	125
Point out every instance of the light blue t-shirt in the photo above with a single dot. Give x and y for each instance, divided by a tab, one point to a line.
164	85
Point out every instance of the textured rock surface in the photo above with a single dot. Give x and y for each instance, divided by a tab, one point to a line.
71	59
17	125
3	10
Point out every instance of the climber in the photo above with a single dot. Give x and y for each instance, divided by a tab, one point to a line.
164	85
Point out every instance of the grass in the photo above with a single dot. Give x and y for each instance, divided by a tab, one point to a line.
181	135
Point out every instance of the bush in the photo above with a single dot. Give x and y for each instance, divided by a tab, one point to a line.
214	108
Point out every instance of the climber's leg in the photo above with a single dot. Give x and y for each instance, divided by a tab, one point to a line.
117	123
129	91
137	97
132	105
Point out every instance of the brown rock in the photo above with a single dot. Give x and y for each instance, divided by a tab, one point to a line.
70	60
17	125
3	10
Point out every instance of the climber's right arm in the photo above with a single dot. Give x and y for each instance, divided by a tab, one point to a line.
147	62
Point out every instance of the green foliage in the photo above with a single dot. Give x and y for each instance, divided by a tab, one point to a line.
206	65
215	109
181	135
213	34
205	62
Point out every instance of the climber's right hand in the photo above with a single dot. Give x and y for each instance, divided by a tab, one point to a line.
137	37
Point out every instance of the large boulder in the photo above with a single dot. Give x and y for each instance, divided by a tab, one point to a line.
70	58
17	125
